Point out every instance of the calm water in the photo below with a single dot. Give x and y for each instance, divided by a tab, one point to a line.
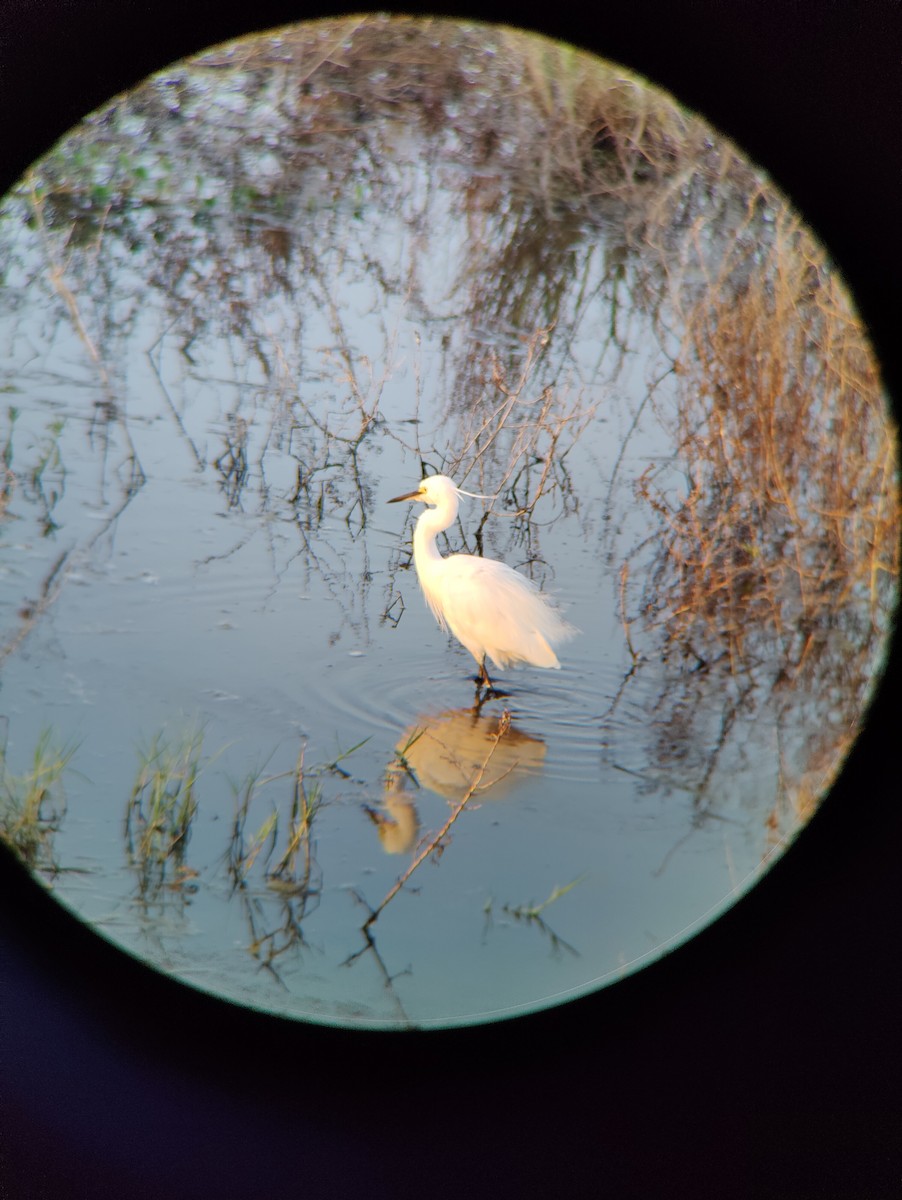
237	316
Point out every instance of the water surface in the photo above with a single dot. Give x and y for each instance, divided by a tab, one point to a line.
252	300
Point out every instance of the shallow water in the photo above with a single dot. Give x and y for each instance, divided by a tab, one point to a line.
225	359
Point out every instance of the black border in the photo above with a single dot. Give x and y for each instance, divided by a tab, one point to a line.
760	1060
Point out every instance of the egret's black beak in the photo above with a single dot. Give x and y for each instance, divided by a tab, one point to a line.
407	496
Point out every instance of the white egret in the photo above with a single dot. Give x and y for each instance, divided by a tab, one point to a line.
493	611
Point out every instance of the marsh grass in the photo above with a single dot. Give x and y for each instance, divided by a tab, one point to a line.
274	870
161	810
276	906
282	842
532	915
33	804
775	568
788	525
531	912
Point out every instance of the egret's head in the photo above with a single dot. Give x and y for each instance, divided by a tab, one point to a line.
433	490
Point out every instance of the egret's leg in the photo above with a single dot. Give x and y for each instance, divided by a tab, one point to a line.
491	692
482	681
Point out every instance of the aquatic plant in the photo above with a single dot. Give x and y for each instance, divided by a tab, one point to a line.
32	805
161	809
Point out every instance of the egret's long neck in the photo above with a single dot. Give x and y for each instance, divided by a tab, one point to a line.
430	523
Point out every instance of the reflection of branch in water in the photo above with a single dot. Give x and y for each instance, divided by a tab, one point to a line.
252	280
699	817
52	583
608	507
624	576
370	947
131	475
57	274
154	360
728	719
232	463
670	762
269	939
488	423
557	943
29	614
435	842
511	441
395	601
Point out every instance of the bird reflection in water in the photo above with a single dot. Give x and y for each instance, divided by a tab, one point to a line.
396	819
444	754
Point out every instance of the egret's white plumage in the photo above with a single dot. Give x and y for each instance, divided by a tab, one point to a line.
493	611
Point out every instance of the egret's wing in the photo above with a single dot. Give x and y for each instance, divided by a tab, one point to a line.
493	610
